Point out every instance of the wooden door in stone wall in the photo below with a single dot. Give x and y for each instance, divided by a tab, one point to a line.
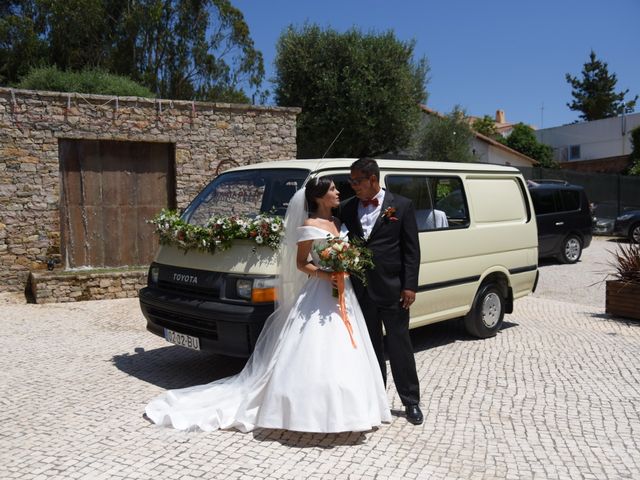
109	190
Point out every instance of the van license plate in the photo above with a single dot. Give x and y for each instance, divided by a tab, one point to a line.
182	339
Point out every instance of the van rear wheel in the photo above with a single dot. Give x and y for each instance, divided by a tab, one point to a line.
571	249
487	312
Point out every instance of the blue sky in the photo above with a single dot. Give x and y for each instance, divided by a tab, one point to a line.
484	56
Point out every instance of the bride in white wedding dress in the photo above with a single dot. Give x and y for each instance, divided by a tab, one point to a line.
304	374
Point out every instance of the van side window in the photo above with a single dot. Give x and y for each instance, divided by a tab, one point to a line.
440	202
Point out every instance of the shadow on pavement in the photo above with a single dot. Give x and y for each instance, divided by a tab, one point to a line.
314	440
176	367
629	322
443	333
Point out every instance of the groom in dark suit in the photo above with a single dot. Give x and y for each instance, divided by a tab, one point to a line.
387	223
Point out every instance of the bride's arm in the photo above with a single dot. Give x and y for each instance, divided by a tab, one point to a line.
305	266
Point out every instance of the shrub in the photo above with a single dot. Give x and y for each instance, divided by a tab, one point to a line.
87	81
627	262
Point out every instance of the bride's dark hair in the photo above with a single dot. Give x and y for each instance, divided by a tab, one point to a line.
316	188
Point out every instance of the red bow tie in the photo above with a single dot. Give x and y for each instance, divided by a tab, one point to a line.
373	202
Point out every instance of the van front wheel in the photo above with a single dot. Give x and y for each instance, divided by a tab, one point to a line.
487	312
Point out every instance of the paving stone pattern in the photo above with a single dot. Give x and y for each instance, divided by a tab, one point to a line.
555	395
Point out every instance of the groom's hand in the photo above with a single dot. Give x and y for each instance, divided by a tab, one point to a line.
407	297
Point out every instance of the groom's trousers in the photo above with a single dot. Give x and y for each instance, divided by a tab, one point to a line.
398	346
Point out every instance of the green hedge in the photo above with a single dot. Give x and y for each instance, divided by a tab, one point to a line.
87	81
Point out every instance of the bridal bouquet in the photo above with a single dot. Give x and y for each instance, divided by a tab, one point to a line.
340	255
343	258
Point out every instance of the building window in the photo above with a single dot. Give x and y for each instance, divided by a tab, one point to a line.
574	152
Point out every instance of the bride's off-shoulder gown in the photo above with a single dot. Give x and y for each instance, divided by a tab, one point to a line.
314	380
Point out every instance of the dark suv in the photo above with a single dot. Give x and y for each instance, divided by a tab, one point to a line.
564	219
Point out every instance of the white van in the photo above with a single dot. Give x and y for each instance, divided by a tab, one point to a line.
478	243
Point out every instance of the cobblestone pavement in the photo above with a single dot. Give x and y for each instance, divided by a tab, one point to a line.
556	394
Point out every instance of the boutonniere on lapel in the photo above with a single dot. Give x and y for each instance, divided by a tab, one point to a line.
389	214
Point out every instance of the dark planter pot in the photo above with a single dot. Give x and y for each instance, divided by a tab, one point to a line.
623	299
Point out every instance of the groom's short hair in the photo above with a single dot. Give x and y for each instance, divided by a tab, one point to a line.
368	166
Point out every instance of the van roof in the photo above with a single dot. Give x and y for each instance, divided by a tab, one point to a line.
316	164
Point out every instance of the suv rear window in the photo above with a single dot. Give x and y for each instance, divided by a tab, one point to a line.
570	200
249	193
555	200
544	201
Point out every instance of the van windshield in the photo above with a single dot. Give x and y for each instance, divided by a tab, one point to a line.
248	193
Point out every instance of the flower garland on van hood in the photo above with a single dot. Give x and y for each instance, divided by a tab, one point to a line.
219	232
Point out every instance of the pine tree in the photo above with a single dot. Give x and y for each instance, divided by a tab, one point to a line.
594	94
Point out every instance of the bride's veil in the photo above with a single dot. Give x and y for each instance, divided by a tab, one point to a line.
234	402
290	281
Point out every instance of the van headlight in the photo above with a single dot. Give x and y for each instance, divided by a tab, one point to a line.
258	290
154	275
243	288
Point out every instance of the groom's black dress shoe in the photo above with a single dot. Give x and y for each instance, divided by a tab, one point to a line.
414	414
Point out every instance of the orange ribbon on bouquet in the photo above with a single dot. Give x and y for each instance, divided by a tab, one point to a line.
339	278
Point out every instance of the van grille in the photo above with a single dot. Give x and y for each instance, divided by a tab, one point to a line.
190	281
184	323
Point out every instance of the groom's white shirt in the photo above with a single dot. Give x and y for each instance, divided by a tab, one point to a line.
369	214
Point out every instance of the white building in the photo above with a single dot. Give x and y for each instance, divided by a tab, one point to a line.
595	144
488	150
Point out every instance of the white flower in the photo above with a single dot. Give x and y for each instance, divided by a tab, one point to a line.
338	246
275	227
259	240
219	221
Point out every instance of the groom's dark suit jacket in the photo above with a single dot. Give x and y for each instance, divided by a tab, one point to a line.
395	247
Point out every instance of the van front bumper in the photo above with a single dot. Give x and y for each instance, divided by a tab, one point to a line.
224	328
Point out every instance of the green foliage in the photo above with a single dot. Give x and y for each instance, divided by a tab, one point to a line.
87	81
523	140
594	95
178	49
635	153
219	233
21	48
486	126
367	84
445	139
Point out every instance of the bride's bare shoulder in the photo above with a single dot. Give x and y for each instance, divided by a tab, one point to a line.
311	222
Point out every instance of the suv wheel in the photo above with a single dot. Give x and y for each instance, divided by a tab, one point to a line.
634	233
487	312
571	249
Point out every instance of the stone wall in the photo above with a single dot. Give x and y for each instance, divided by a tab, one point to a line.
52	287
207	138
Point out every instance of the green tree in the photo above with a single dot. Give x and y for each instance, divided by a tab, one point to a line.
181	49
366	85
594	95
21	46
523	139
486	126
635	153
445	138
